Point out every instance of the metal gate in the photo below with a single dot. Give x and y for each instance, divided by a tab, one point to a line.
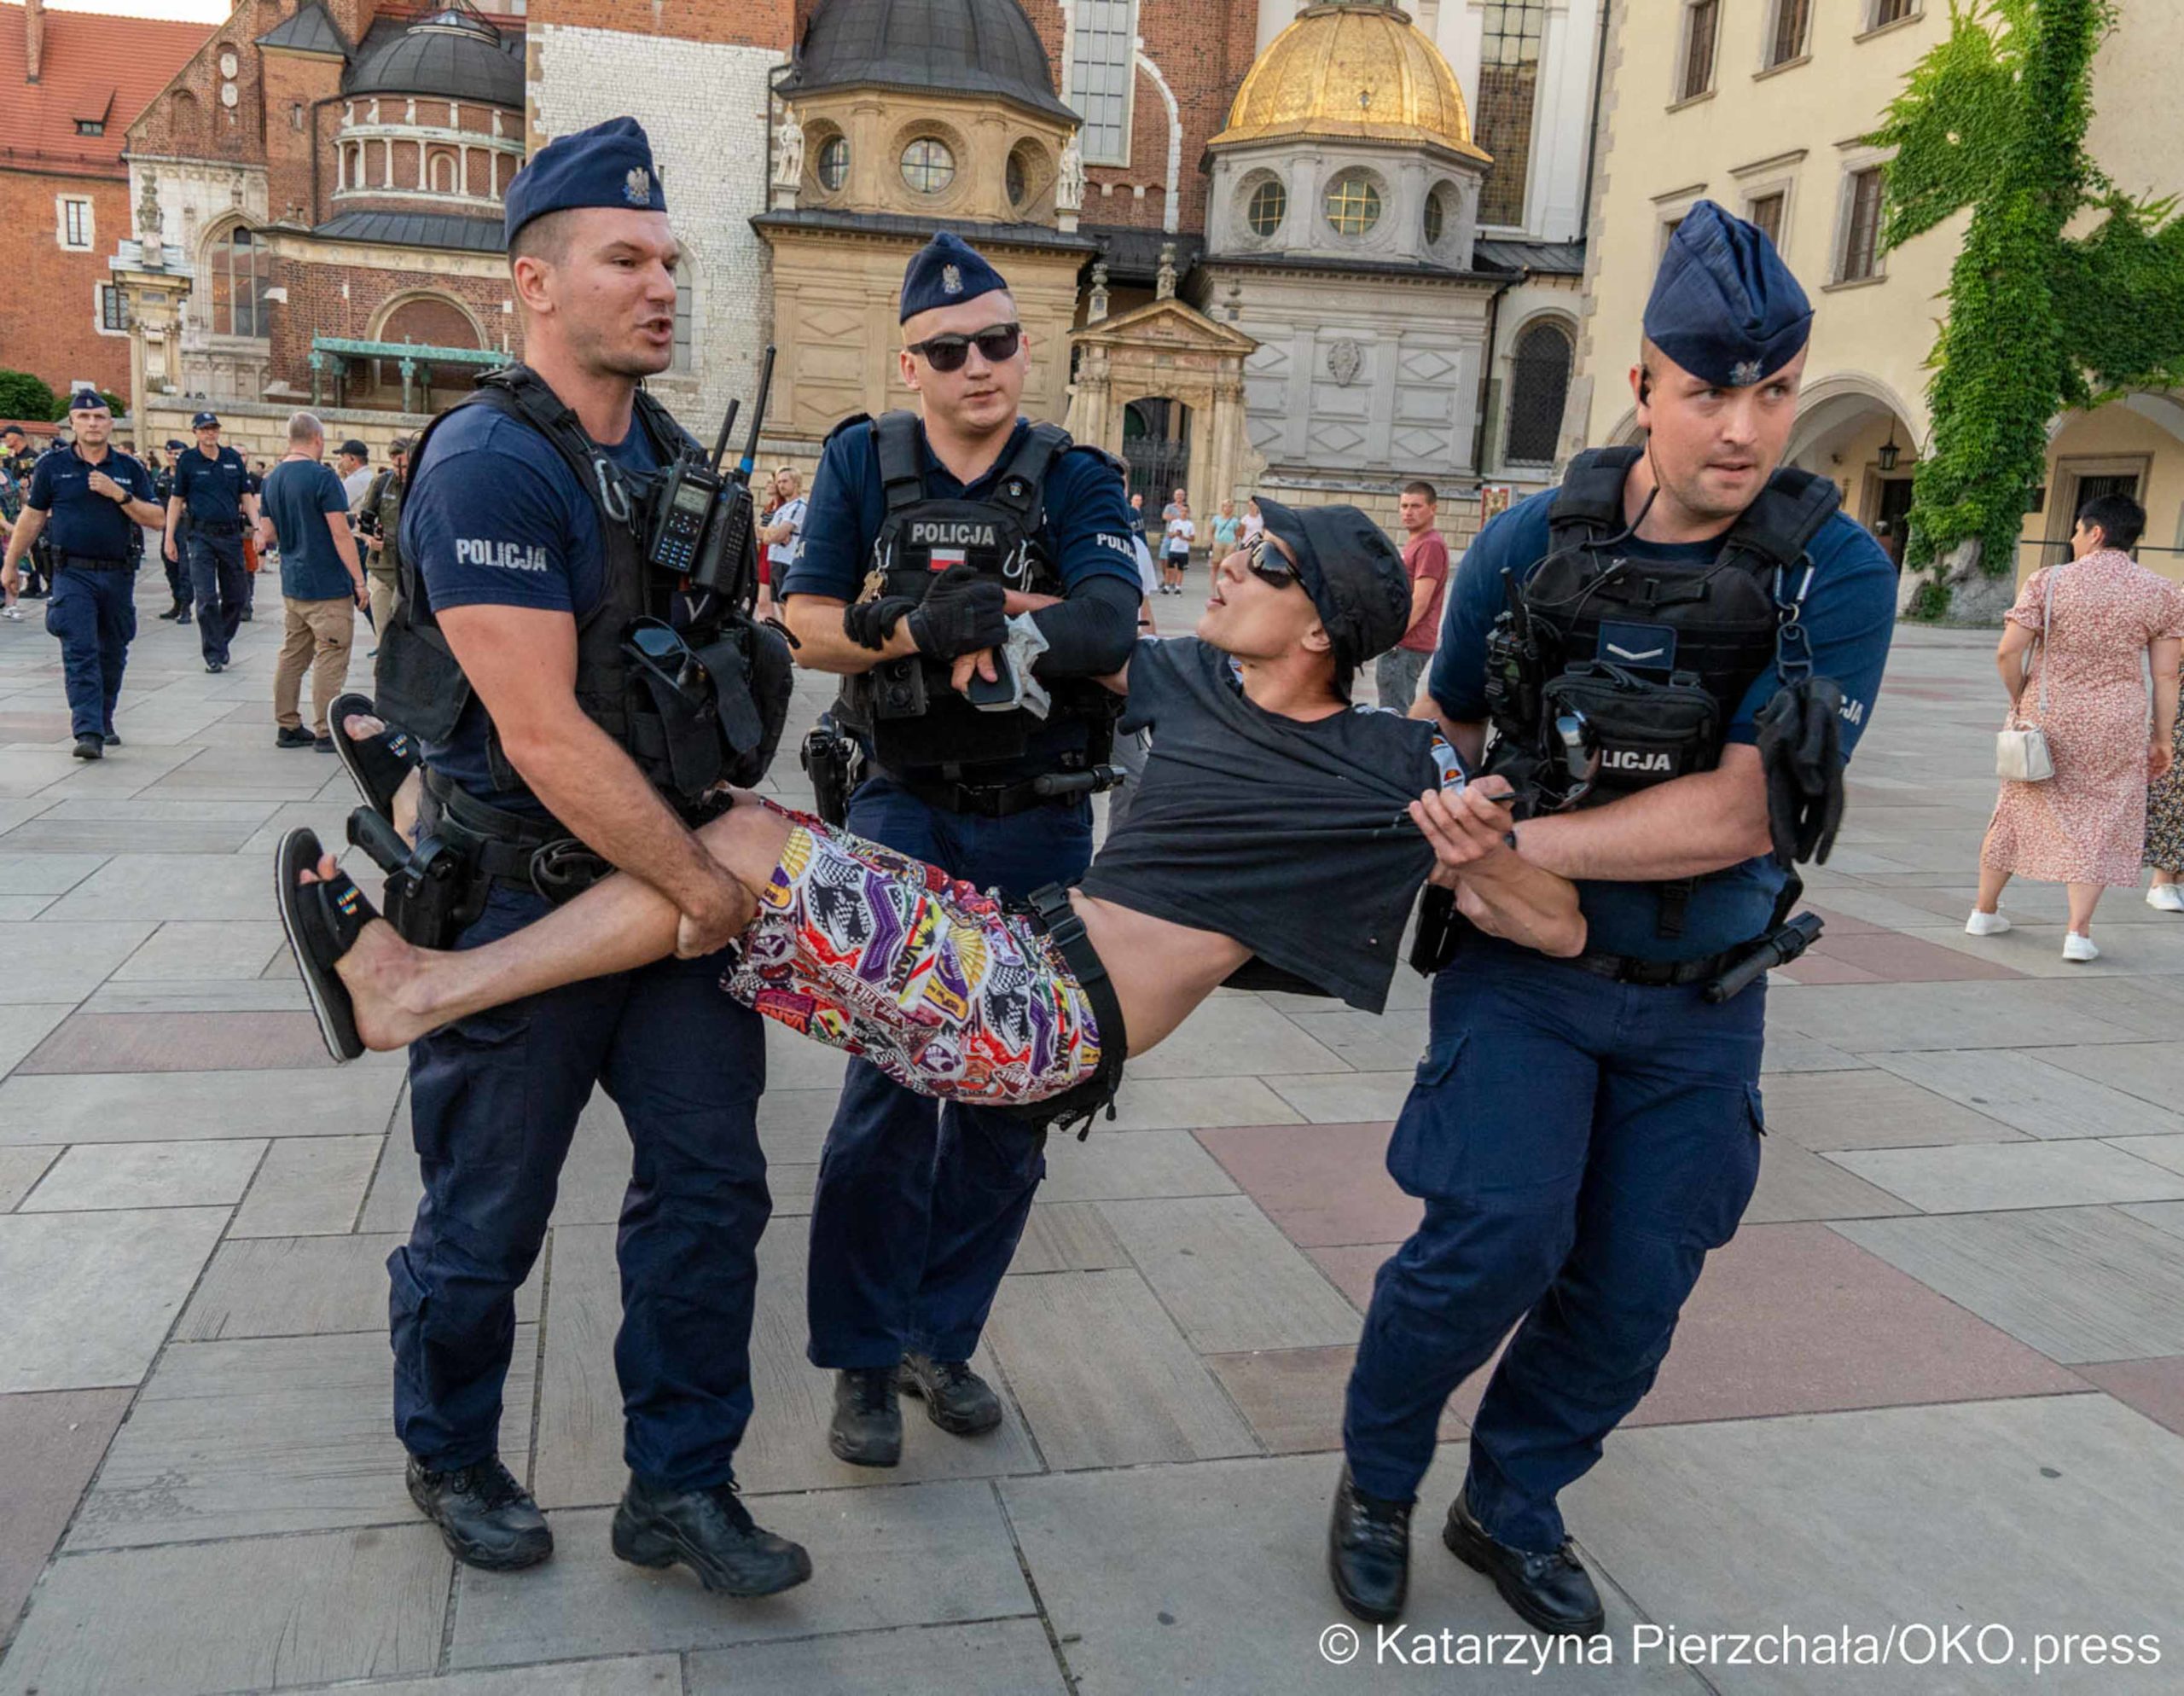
1156	449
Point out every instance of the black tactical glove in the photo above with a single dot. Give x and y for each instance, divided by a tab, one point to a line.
963	611
868	624
1801	755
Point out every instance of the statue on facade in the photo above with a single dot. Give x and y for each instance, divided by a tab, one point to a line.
788	151
151	234
1096	308
1164	288
1069	185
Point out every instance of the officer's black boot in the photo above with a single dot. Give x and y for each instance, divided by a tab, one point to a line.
487	1520
90	747
956	1399
1553	1592
1368	1552
868	1425
709	1532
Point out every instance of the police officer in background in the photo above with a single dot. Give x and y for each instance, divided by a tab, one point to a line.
925	531
92	500
510	657
1696	645
177	570
213	488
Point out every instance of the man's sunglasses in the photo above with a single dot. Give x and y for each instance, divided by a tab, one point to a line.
1267	565
947	353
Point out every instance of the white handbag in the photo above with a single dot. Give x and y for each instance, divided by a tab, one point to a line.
2021	750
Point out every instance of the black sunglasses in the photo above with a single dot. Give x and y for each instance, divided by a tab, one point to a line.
1267	565
949	352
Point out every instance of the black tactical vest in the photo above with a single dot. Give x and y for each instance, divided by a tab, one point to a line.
418	684
919	726
1616	673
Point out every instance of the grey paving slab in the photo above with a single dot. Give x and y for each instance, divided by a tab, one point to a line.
178	1106
24	1027
24	873
1786	1051
298	1286
1189	1103
146	1175
1354	1098
1871	1109
1387	1041
1105	1377
267	1614
1795	1183
933	1554
1067	1236
1977	1178
307	1186
161	886
196	949
21	1168
627	1675
1232	1035
50	960
794	1062
275	1434
15	910
91	1296
1001	1657
1227	1277
2163	1150
1934	1515
2079	1284
793	1124
27	773
2168	1216
2153	1072
396	1186
1138	1163
2025	1092
1865	1019
1212	1578
52	1443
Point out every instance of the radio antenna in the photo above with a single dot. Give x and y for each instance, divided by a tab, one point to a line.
758	413
727	429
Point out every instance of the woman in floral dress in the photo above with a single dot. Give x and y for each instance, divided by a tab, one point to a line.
2165	841
2091	624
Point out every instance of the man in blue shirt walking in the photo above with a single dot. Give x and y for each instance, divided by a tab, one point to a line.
94	499
212	489
321	583
1583	1131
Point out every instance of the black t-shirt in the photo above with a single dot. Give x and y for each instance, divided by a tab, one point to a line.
1291	837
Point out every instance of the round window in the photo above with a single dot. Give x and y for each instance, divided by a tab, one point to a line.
1269	205
928	167
1437	217
834	163
1353	203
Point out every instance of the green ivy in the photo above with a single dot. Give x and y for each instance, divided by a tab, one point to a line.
1993	119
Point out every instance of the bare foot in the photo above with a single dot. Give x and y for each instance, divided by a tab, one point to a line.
385	977
362	727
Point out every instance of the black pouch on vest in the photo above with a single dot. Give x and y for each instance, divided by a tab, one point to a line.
1641	731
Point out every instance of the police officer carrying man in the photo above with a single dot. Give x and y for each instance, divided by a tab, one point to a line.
94	499
510	657
213	488
1678	649
921	529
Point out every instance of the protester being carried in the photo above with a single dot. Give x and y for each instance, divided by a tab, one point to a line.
1276	821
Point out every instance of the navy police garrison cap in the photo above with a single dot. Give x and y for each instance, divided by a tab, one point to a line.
1724	306
946	272
609	165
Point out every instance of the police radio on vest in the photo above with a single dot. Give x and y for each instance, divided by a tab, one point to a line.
955	533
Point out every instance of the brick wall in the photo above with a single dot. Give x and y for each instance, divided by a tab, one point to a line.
48	312
288	80
747	23
317	306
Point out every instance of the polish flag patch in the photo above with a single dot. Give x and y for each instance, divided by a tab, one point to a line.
943	558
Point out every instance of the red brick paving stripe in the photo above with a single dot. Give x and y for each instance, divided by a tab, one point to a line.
178	1042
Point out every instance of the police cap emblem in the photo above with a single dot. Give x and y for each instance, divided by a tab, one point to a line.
1743	374
636	187
951	279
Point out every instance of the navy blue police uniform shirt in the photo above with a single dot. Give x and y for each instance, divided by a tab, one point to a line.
1849	614
299	495
82	521
495	517
211	490
1086	534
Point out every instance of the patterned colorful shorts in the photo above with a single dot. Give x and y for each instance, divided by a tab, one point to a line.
936	984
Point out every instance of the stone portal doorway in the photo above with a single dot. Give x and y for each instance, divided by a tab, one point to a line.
1156	449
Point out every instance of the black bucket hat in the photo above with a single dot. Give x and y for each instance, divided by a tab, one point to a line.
1351	571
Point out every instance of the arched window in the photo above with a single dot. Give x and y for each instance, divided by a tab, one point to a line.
685	316
1268	206
443	173
237	263
1539	383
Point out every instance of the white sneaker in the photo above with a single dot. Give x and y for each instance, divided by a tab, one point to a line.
2079	949
1985	924
2168	897
16	613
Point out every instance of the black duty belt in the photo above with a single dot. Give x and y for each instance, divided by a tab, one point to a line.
535	855
1658	974
217	527
1050	909
978	800
89	562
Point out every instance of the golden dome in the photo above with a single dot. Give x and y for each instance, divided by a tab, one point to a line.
1354	68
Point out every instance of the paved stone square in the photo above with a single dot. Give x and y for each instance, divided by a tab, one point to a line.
1937	1380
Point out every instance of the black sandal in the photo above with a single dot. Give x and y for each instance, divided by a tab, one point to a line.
378	765
322	920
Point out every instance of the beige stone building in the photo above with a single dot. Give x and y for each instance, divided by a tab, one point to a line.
1759	105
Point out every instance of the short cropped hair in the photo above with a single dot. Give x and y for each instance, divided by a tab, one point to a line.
2120	520
1432	496
545	237
303	426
